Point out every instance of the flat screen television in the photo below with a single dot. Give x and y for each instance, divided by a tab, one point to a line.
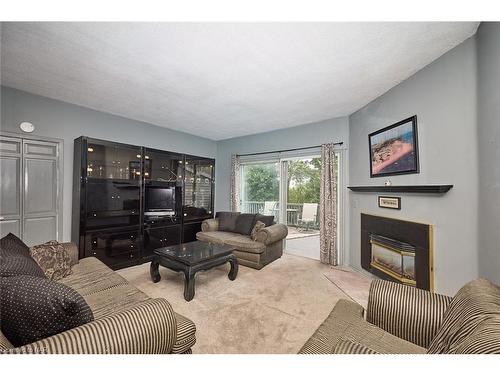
160	199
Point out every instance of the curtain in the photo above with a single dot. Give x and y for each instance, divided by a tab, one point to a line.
235	182
328	206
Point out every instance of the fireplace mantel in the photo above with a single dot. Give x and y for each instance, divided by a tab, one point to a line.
420	189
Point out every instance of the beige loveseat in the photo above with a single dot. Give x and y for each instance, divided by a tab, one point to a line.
404	320
127	321
255	254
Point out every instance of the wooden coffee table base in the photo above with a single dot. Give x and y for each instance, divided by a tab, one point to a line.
190	271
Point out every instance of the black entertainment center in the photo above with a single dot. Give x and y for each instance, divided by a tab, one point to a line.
129	200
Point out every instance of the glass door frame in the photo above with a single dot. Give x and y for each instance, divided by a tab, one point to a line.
281	159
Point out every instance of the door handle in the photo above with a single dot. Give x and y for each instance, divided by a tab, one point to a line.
2	218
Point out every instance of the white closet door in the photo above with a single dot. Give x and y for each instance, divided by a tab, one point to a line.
30	189
41	180
10	186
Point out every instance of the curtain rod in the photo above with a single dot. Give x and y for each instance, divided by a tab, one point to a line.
288	150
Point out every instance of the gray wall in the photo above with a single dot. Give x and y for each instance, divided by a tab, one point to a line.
488	64
443	96
333	130
65	121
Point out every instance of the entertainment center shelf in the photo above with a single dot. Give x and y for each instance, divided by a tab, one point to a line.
420	189
129	200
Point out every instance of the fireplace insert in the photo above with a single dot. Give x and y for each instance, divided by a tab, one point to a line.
394	258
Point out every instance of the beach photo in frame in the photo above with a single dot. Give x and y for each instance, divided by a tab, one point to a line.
394	149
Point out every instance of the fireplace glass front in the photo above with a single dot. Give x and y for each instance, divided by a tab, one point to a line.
394	258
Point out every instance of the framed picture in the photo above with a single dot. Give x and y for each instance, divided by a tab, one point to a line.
394	149
390	202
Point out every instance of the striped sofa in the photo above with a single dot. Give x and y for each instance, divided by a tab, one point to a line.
404	320
127	321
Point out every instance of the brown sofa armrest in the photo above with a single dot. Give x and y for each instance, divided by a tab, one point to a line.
409	313
272	234
72	250
149	328
210	225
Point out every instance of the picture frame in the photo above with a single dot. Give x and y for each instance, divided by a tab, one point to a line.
393	203
394	149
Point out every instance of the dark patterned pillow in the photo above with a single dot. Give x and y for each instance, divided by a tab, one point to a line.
19	265
11	245
53	259
33	309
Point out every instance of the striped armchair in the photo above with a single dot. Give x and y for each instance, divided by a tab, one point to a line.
404	320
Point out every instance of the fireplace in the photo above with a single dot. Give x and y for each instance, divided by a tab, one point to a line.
397	250
394	258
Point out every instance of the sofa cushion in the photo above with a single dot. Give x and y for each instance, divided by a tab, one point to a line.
227	220
244	224
238	241
114	300
53	259
215	236
33	308
105	291
268	220
91	276
245	243
474	310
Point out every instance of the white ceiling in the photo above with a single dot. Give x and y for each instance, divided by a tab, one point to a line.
221	80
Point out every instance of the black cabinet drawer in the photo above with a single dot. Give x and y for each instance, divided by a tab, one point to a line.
157	237
116	248
190	230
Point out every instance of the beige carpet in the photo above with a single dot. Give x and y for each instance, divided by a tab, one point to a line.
352	283
273	310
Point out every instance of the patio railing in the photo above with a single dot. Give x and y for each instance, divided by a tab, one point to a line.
293	214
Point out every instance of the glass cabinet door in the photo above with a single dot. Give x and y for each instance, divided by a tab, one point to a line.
198	188
161	166
113	161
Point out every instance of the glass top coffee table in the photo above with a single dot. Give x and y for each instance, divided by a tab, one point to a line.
190	258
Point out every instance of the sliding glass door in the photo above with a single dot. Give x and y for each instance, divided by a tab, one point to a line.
287	187
260	188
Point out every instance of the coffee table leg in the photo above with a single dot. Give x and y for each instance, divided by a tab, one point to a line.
153	270
234	267
189	285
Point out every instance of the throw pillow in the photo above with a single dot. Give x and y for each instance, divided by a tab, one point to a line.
15	258
34	308
19	265
245	224
53	259
474	304
258	226
12	245
227	221
268	220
